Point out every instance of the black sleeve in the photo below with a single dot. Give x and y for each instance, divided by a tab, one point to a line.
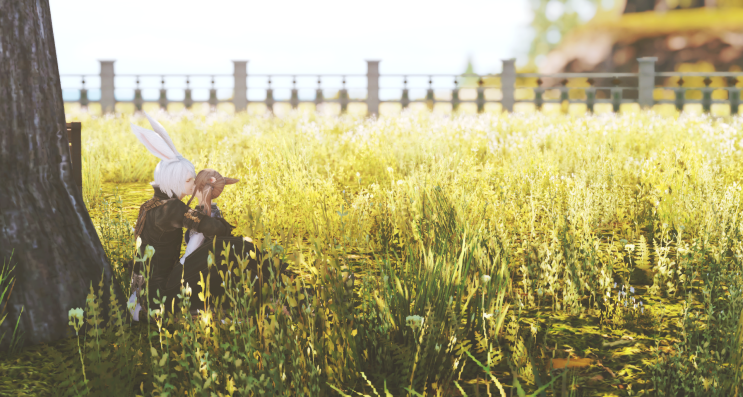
209	226
179	215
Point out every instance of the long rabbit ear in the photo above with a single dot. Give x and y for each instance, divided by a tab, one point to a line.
161	131
153	142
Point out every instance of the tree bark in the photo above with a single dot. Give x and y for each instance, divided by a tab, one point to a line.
43	219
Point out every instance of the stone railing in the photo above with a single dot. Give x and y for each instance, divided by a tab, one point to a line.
514	88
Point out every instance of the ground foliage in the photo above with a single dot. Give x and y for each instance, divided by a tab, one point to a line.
492	252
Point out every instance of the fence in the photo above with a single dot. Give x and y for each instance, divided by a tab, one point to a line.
622	88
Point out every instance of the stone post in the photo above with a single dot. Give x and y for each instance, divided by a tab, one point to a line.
508	84
343	97
240	98
213	101
372	88
108	101
188	101
646	82
733	95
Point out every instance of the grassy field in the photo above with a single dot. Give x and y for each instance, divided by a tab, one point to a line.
560	255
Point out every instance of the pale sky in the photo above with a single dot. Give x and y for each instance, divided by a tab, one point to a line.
288	36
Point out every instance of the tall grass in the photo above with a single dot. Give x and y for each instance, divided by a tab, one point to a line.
7	282
479	243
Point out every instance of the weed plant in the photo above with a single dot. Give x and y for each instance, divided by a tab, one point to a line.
494	254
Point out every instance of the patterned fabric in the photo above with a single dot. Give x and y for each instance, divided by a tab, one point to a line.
216	213
191	219
148	205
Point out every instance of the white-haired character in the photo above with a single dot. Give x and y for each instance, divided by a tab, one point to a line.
162	218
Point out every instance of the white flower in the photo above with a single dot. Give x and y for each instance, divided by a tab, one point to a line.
487	315
358	174
76	313
629	247
149	252
414	321
389	169
485	278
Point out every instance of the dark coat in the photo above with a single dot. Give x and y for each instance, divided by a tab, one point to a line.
163	230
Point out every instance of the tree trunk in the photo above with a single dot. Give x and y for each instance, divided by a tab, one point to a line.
43	219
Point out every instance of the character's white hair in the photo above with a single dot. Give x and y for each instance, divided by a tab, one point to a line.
171	176
173	171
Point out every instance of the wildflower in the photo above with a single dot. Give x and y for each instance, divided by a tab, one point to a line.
487	315
629	247
414	321
665	225
642	310
640	303
76	313
485	278
540	292
139	242
625	303
154	313
615	284
632	289
608	293
188	290
385	278
358	174
149	252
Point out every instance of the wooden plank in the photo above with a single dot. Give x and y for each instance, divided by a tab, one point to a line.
74	137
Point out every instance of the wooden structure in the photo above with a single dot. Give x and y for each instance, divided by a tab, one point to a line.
74	137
